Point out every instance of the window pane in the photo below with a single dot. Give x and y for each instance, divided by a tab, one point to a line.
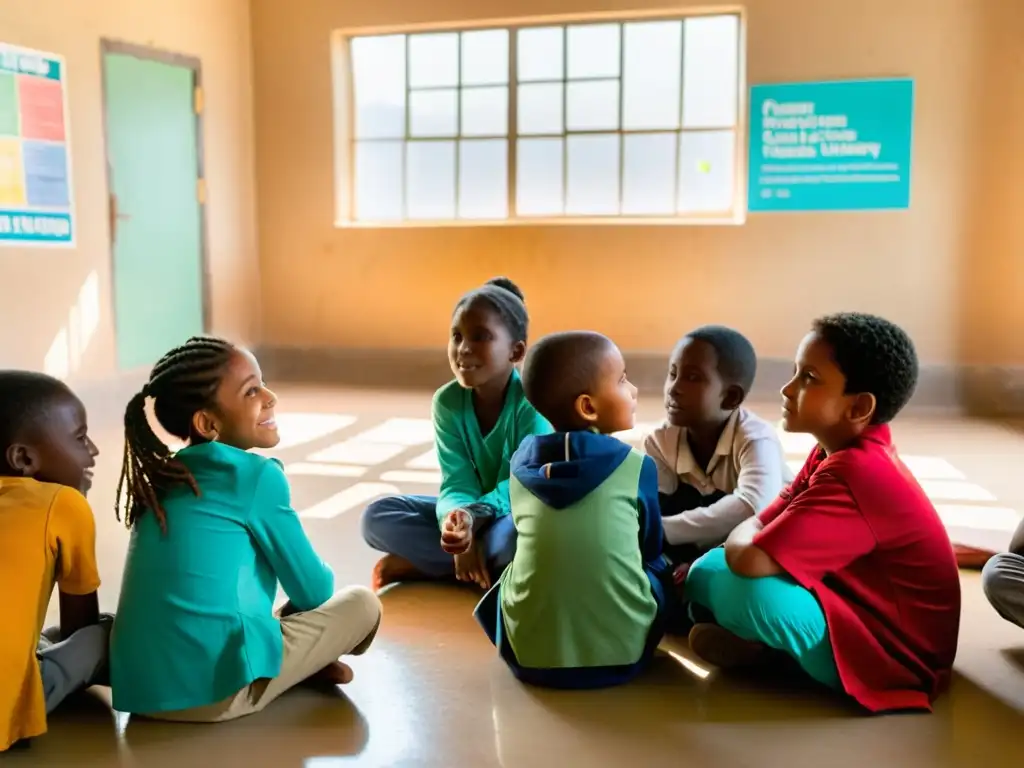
593	178
711	72
652	74
485	57
483	179
433	60
539	108
433	113
485	111
593	50
648	180
539	177
540	53
378	76
706	171
430	179
378	181
593	106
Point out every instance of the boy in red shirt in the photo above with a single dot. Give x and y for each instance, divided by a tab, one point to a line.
850	570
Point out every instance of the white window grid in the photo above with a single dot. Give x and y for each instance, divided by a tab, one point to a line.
512	135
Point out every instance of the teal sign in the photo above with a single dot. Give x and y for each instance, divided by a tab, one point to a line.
832	146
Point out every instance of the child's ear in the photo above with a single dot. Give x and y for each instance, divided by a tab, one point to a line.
22	459
862	408
586	409
518	352
205	425
733	397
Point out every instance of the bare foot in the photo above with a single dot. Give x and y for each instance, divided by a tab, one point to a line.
725	650
338	673
392	568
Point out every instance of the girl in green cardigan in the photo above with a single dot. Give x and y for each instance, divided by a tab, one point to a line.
479	420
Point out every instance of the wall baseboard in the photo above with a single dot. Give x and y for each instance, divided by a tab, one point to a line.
996	392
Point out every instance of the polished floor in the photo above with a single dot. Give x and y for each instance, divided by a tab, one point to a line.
432	693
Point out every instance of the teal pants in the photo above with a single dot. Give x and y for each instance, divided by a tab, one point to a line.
775	611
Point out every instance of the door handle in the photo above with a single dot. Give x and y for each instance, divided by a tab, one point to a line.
115	216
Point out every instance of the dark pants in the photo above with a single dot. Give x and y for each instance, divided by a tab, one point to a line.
679	618
684	499
407	526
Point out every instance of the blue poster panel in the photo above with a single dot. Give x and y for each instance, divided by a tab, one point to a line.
831	146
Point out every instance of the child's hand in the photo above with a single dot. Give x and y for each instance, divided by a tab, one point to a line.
457	532
472	566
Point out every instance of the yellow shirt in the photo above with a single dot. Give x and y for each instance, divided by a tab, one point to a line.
47	535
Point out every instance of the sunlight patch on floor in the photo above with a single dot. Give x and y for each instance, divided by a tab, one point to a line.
961	503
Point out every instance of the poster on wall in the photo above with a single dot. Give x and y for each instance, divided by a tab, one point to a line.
35	159
831	146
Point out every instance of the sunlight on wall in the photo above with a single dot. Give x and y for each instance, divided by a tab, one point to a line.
68	348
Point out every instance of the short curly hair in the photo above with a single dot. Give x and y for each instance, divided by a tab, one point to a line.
737	361
876	356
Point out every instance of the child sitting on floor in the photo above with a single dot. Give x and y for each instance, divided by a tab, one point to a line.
479	420
1003	580
581	604
213	534
850	571
47	535
718	463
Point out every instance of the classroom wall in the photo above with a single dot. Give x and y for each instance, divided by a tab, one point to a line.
39	288
949	269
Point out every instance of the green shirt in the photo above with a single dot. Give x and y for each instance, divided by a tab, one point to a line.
474	467
579	591
195	621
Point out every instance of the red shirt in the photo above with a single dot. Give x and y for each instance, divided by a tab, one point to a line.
857	530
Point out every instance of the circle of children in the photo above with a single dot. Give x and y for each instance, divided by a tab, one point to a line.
588	550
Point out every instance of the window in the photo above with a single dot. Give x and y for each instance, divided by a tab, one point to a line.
605	119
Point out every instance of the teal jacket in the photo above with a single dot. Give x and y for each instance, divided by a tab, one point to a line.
195	621
474	466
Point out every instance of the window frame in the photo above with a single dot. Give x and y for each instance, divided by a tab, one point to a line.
343	90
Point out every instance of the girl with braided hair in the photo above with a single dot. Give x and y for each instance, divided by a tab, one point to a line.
479	419
213	533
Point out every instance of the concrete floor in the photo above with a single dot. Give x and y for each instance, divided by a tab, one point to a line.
431	691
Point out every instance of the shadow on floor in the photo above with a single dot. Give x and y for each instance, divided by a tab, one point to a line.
432	692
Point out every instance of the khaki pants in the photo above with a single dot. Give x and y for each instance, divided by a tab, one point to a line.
345	624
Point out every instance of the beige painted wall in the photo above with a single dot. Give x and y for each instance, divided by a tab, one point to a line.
38	287
948	269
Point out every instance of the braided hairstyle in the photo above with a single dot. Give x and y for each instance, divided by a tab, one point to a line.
183	381
505	298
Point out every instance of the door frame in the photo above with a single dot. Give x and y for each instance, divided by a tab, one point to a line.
192	63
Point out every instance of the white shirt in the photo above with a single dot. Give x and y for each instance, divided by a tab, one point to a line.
749	464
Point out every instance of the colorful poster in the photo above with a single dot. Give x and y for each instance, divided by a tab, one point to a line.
35	161
833	146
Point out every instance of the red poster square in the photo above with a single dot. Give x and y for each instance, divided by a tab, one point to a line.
42	108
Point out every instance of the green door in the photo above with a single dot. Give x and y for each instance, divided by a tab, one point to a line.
152	151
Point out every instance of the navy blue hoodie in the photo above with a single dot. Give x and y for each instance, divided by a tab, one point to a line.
562	468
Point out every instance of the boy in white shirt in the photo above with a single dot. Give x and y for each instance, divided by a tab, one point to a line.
718	463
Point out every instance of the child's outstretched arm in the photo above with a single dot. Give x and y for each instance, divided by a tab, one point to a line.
306	579
759	482
72	522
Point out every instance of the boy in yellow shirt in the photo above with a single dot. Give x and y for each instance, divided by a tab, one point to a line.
47	536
